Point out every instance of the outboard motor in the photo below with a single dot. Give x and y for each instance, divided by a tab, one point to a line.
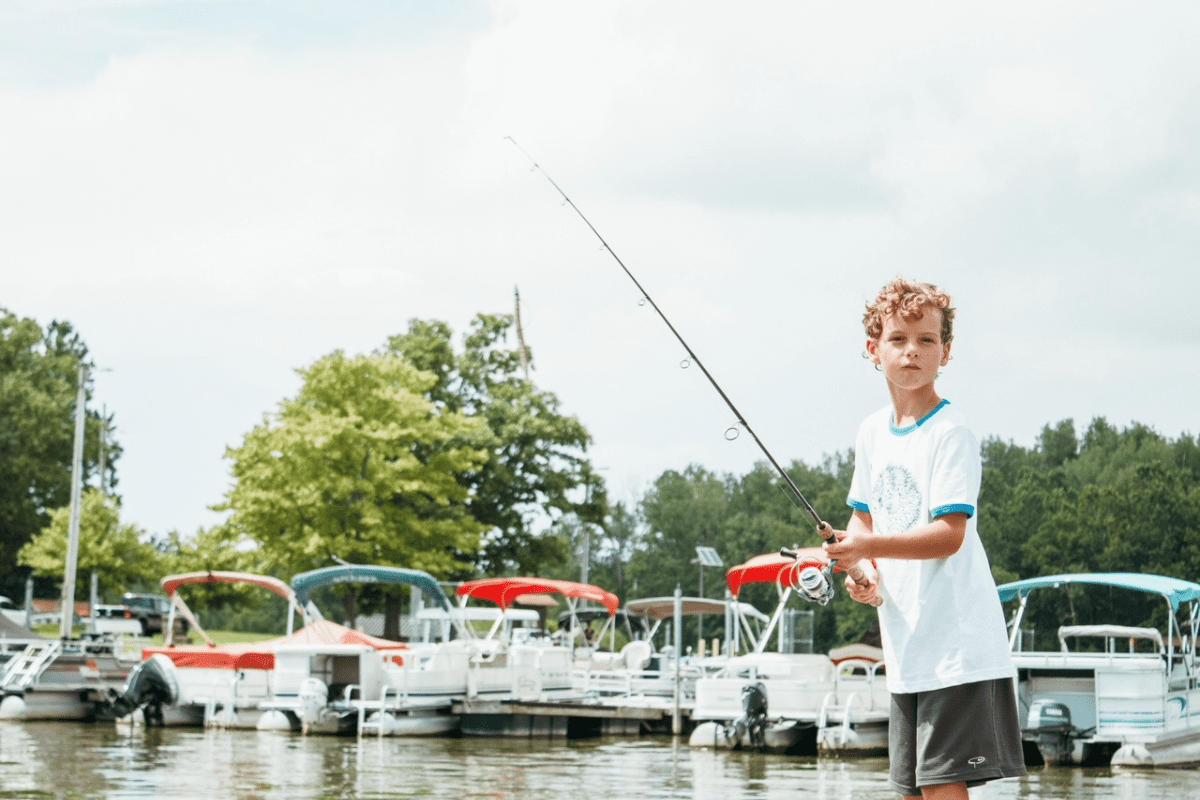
1050	724
750	729
151	684
314	696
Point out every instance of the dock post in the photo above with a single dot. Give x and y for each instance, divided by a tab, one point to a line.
677	718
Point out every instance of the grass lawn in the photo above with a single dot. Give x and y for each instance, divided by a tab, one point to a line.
219	637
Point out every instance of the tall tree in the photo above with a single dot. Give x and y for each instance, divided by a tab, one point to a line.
38	384
682	510
742	518
116	553
360	466
620	537
609	547
536	467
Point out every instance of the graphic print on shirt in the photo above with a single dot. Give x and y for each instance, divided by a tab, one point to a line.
898	497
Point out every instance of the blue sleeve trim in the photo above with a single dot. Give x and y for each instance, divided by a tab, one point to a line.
957	508
857	506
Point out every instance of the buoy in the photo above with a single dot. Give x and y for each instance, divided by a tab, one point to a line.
12	707
274	720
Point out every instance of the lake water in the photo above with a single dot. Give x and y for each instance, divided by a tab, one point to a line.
79	760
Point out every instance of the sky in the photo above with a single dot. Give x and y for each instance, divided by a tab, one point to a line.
216	194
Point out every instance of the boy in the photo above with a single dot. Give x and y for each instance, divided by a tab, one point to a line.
917	470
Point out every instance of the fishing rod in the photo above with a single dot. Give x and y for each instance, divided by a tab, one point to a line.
806	585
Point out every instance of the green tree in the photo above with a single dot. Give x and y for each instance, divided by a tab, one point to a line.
1110	500
1058	445
682	510
219	548
620	537
38	384
609	546
536	465
358	466
116	553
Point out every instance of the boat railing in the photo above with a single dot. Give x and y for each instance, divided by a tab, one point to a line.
603	682
629	682
847	676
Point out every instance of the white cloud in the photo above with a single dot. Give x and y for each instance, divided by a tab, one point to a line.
218	200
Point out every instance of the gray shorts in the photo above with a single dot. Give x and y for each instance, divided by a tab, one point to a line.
961	734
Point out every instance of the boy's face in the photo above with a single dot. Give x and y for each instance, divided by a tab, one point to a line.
910	351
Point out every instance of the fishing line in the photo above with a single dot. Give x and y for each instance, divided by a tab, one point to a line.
823	528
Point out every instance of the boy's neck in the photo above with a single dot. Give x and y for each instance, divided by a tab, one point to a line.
911	406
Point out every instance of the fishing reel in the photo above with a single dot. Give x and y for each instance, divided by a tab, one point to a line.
811	578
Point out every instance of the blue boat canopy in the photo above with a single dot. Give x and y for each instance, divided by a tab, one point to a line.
1175	590
305	582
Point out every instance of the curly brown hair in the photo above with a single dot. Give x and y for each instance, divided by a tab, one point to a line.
908	298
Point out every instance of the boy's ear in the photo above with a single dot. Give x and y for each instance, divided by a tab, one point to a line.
946	353
873	350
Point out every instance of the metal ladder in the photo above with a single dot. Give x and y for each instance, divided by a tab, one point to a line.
22	670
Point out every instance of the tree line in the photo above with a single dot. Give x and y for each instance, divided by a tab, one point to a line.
440	455
1101	500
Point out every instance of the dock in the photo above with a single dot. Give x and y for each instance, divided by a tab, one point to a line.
564	718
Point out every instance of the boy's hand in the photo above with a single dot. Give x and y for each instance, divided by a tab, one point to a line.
868	594
849	548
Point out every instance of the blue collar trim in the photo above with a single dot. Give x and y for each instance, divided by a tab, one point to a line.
910	428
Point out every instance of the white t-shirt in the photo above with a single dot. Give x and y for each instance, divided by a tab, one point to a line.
941	620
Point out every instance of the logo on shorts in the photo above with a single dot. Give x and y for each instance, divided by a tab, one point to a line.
976	761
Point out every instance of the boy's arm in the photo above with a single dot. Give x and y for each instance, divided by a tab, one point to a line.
939	539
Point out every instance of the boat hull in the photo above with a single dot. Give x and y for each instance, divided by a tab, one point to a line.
781	736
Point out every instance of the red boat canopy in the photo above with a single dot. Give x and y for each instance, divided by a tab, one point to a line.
770	568
171	583
503	591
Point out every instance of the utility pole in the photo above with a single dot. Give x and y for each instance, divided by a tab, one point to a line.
103	446
68	589
522	350
587	546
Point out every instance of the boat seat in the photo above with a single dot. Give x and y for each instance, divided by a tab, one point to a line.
636	655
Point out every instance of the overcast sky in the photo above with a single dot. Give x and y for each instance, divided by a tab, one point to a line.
218	193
